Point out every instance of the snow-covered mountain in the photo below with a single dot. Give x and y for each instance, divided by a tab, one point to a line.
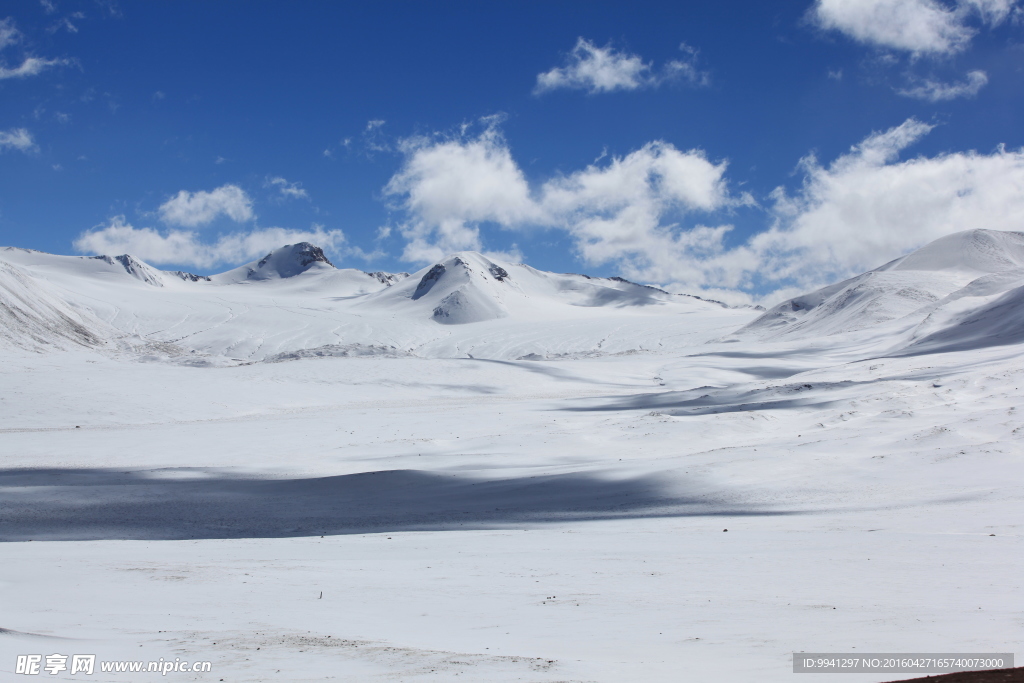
960	289
293	303
288	261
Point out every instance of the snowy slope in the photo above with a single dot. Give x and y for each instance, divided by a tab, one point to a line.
973	322
908	298
33	316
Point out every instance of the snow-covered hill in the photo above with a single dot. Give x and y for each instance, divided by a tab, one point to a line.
295	303
943	294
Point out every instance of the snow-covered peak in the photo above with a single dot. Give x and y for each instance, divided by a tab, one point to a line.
466	287
970	251
134	267
287	261
459	269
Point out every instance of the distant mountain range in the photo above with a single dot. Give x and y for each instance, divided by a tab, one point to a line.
961	291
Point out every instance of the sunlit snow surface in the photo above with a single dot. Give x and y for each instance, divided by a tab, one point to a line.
536	494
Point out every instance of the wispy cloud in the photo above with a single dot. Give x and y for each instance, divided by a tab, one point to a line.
187	248
285	189
936	91
31	66
18	139
194	209
686	68
374	139
9	34
605	69
66	24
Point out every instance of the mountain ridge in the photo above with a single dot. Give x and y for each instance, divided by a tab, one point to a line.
961	291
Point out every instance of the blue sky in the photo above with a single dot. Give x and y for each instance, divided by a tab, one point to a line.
745	149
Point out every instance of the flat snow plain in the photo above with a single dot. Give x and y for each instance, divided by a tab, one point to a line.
498	519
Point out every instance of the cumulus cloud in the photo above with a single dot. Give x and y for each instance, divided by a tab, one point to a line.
285	189
615	210
620	211
447	187
865	208
186	248
16	138
193	209
605	69
32	66
651	213
920	27
936	91
868	207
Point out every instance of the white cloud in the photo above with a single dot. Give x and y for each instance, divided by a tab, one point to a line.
921	27
867	207
186	248
32	66
66	24
604	69
286	189
637	212
993	12
16	138
615	210
686	68
9	34
619	211
193	209
373	139
935	91
447	187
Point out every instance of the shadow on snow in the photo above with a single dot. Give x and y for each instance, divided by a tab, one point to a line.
94	504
